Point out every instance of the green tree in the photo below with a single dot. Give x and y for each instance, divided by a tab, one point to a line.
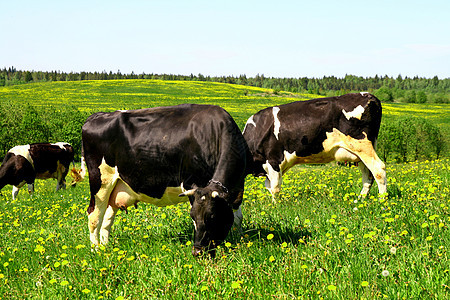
32	128
384	94
421	97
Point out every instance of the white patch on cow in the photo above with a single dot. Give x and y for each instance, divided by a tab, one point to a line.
364	93
195	224
276	122
273	180
122	110
60	145
116	193
24	151
356	113
249	122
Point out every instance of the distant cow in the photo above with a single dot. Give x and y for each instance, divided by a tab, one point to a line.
164	156
322	130
23	164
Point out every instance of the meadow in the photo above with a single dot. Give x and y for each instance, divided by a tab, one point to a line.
320	240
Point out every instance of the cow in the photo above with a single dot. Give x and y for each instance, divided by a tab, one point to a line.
25	163
317	131
164	156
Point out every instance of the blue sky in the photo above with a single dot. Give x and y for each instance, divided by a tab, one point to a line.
216	38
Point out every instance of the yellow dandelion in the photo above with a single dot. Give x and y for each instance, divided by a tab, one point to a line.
270	236
332	287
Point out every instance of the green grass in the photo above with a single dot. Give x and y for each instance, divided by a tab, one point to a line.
319	240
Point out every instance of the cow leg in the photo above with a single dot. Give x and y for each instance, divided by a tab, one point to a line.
367	179
16	188
378	170
96	217
237	223
60	177
273	180
364	149
107	223
61	184
366	152
31	188
108	176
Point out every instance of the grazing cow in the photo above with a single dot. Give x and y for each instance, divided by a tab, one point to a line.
24	164
164	156
321	130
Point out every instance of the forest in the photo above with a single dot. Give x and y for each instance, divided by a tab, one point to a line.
386	88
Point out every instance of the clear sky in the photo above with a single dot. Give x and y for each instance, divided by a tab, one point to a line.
276	38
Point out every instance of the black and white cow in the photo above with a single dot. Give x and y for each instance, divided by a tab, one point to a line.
23	164
321	130
164	156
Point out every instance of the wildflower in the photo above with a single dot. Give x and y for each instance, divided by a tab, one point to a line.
364	283
64	283
385	273
236	284
86	291
393	250
332	287
270	236
271	258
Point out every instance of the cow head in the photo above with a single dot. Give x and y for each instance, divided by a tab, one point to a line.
212	215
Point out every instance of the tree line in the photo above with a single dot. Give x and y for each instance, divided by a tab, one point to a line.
389	89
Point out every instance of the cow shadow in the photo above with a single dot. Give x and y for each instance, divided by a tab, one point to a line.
293	236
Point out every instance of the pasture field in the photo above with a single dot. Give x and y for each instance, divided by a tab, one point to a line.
92	96
319	241
240	101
